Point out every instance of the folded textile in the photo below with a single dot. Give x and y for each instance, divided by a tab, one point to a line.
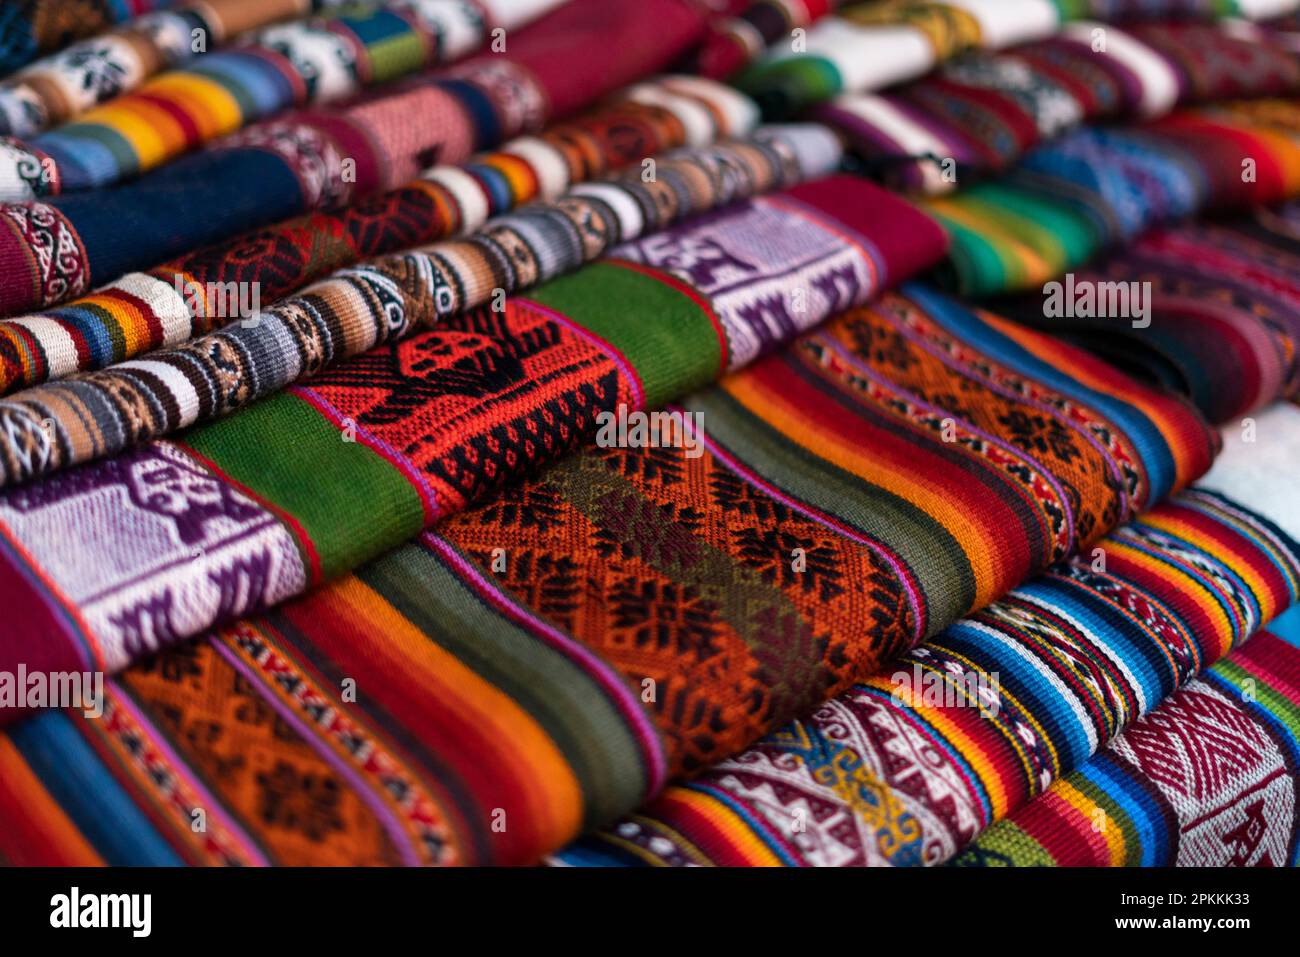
1141	9
866	47
303	486
315	61
93	414
325	159
29	28
65	84
733	42
1069	200
1208	779
549	659
871	46
908	767
980	112
1209	309
191	294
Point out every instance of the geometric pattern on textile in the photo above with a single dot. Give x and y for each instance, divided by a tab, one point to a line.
631	615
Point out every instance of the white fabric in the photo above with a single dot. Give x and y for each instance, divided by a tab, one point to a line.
1159	79
625	208
164	300
1263	474
915	139
514	13
1004	23
695	119
740	113
60	349
469	194
1263	9
182	390
816	147
546	161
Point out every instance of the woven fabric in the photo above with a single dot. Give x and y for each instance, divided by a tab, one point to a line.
973	725
305	485
866	47
29	28
981	112
63	85
553	656
170	303
1222	320
314	61
733	42
869	47
1067	201
387	299
327	158
1124	10
1206	780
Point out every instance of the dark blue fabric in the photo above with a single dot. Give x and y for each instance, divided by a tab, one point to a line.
199	199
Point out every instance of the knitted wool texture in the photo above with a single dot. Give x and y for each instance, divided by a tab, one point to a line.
560	652
308	483
326	158
170	304
65	84
387	299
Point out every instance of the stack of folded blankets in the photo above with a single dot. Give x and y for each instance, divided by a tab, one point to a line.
650	432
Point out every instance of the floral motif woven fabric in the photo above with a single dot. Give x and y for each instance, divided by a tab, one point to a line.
387	299
972	726
303	486
630	615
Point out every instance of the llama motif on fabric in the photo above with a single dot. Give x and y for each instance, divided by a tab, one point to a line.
770	267
186	544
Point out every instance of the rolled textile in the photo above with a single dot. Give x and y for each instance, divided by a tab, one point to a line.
979	113
1069	200
549	659
316	61
1209	309
93	414
1205	780
300	487
327	158
1209	778
65	84
971	727
31	27
171	303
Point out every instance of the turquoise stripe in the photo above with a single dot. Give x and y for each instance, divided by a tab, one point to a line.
86	790
1151	446
1287	627
1133	647
1014	660
1117	784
